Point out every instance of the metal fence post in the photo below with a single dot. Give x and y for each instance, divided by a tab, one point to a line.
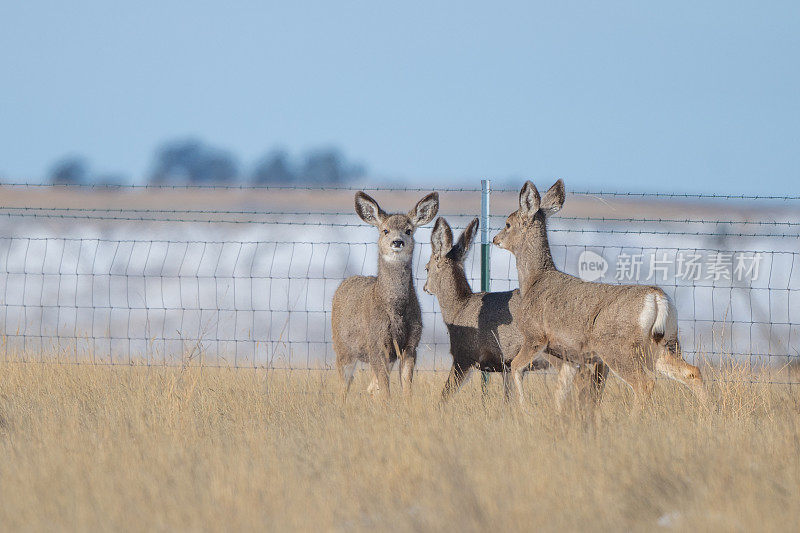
486	191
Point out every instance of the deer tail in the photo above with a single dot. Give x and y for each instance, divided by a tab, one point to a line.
659	319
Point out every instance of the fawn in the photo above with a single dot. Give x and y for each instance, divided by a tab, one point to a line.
482	325
631	328
377	319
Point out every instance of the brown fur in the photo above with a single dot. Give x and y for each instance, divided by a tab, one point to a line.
377	319
483	334
483	326
589	321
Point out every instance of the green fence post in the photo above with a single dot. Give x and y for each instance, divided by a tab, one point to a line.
486	189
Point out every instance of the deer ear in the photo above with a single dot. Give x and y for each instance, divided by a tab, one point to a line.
461	249
441	237
368	209
553	199
529	199
425	210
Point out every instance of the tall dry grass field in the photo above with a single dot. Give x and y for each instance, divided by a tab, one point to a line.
131	448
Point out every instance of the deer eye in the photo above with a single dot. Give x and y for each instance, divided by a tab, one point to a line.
408	232
386	232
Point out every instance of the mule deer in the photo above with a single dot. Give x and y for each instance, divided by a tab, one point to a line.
377	319
631	328
482	325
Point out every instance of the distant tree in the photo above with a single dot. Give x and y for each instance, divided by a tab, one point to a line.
274	168
356	170
71	170
217	167
110	180
323	166
175	161
328	166
192	161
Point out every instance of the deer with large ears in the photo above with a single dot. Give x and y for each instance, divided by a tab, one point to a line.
631	328
377	319
483	325
480	325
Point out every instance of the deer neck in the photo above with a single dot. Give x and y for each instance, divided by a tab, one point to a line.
454	292
534	257
395	284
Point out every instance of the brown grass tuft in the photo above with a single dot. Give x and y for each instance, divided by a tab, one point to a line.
132	448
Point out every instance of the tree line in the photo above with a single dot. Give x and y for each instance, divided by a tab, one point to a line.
192	161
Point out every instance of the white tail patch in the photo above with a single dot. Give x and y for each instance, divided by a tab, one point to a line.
658	318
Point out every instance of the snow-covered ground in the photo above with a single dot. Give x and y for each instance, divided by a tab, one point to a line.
260	293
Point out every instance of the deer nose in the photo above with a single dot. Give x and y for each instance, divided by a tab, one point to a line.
495	239
397	244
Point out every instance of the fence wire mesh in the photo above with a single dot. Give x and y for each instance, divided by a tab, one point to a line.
244	277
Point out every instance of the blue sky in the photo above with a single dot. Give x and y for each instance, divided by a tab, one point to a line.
639	96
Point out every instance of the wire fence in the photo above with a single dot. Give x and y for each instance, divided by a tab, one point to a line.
244	277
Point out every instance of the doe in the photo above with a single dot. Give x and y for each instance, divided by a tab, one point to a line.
483	325
377	319
631	328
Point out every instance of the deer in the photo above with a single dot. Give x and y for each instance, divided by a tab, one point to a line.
631	328
483	325
377	319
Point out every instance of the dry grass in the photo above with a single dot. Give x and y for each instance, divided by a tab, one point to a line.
130	448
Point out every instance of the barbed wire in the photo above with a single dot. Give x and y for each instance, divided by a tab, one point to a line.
234	187
370	243
66	214
392	188
673	195
97	213
146	211
678	233
677	221
600	231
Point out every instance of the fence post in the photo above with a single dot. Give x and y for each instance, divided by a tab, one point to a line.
486	191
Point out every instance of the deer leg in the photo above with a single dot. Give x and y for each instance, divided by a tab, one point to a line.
373	386
455	380
380	374
566	378
591	382
380	379
519	364
507	393
346	371
599	377
407	362
640	383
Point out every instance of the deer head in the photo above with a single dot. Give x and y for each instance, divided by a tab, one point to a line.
396	232
447	260
525	232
